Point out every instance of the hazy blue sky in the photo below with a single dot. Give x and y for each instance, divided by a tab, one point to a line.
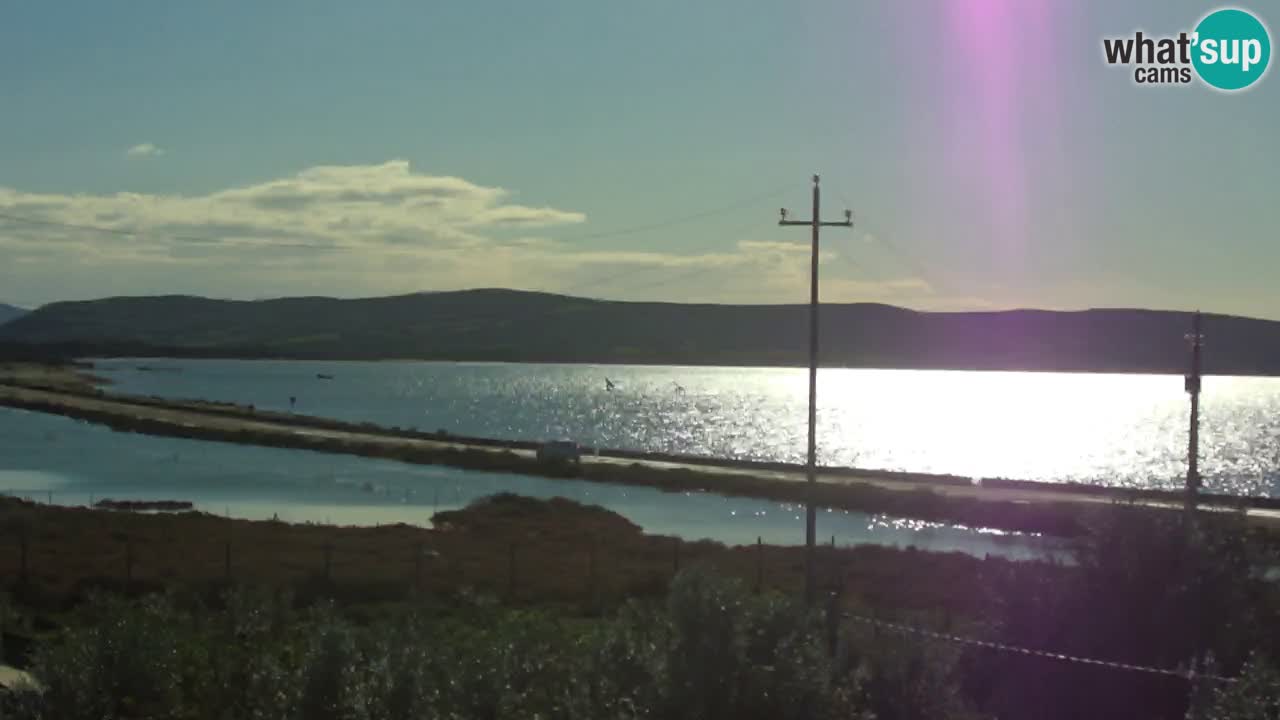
255	149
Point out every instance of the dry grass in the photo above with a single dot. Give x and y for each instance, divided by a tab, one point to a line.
526	551
52	376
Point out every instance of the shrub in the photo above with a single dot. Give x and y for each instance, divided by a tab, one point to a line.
1254	696
126	664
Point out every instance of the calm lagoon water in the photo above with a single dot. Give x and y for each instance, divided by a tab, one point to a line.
1114	429
45	457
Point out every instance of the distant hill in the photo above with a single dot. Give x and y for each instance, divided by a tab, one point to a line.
508	325
10	312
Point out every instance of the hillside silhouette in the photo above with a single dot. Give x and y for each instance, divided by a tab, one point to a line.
517	326
10	312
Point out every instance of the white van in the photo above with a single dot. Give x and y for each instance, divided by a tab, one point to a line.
554	451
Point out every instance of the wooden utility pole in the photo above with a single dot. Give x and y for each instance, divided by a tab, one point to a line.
810	522
1192	386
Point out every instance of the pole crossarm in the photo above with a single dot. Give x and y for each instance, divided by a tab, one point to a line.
813	223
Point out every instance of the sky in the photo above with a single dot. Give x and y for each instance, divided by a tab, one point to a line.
635	151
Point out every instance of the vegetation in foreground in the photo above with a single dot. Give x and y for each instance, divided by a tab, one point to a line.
709	650
528	552
706	644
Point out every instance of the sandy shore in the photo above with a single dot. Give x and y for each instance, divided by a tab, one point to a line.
73	378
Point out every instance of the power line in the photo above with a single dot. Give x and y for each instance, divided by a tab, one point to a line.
938	280
668	222
668	279
141	233
660	224
1189	674
905	257
908	258
631	272
74	226
476	321
847	257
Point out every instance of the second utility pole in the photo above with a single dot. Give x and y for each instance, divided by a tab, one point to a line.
1192	384
811	472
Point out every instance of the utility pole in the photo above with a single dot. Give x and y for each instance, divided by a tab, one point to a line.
810	521
1192	385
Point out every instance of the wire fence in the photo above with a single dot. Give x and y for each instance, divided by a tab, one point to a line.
1189	673
523	571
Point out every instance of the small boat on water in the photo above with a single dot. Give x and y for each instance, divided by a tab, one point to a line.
323	376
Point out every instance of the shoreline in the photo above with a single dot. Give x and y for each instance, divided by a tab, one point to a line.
1027	508
168	354
919	503
77	385
529	552
69	353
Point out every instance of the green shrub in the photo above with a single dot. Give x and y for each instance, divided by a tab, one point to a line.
126	664
711	651
1254	696
901	678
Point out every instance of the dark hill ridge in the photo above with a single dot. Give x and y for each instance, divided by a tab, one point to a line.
10	312
509	325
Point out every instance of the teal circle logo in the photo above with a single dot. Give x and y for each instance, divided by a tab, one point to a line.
1232	49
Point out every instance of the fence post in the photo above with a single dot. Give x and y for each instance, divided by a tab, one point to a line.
328	561
759	564
835	563
23	545
592	590
418	551
675	556
833	622
1192	685
511	572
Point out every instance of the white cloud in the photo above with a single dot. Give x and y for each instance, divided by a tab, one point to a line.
379	229
353	208
144	150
